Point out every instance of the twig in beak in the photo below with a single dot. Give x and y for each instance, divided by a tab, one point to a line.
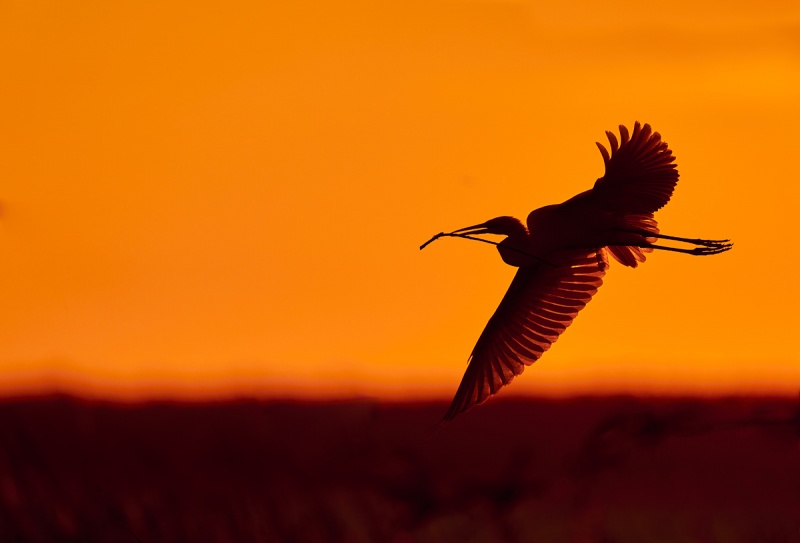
465	236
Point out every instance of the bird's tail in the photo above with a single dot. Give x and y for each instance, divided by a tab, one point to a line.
630	255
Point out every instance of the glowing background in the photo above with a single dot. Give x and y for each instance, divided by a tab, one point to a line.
229	199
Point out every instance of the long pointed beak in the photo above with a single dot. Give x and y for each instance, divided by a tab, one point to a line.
462	232
475	229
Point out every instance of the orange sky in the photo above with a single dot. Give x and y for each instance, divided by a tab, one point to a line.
230	198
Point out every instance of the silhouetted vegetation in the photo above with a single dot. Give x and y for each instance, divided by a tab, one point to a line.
588	469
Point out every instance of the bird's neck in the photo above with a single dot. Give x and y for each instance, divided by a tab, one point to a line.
515	250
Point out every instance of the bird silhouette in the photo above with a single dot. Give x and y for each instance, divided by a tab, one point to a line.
562	256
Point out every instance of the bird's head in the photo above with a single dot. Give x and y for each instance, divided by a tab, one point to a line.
503	226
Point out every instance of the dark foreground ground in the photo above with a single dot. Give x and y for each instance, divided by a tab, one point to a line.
591	469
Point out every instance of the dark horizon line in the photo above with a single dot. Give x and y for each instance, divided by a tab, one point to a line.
60	396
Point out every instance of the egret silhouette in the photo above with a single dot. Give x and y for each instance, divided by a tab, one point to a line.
562	257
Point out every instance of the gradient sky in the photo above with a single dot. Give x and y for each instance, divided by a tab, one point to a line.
204	198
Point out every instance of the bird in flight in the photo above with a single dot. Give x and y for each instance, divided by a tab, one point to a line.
562	256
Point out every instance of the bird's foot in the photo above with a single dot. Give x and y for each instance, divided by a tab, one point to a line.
714	249
712	242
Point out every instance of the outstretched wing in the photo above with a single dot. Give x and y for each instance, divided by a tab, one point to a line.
640	175
538	306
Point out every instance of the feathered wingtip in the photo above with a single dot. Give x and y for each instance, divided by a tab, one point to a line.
641	134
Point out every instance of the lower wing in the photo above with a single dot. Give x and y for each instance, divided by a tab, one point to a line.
540	304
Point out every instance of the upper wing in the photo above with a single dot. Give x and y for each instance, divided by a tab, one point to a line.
540	303
640	175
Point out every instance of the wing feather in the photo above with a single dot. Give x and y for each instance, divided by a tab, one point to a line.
623	133
640	176
604	152
540	304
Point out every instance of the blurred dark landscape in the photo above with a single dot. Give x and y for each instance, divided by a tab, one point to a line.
599	469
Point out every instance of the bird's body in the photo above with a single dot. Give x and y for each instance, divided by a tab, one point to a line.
582	223
562	256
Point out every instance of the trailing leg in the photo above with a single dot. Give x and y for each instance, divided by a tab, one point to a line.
702	250
693	241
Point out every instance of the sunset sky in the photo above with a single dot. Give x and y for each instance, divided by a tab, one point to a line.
219	199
